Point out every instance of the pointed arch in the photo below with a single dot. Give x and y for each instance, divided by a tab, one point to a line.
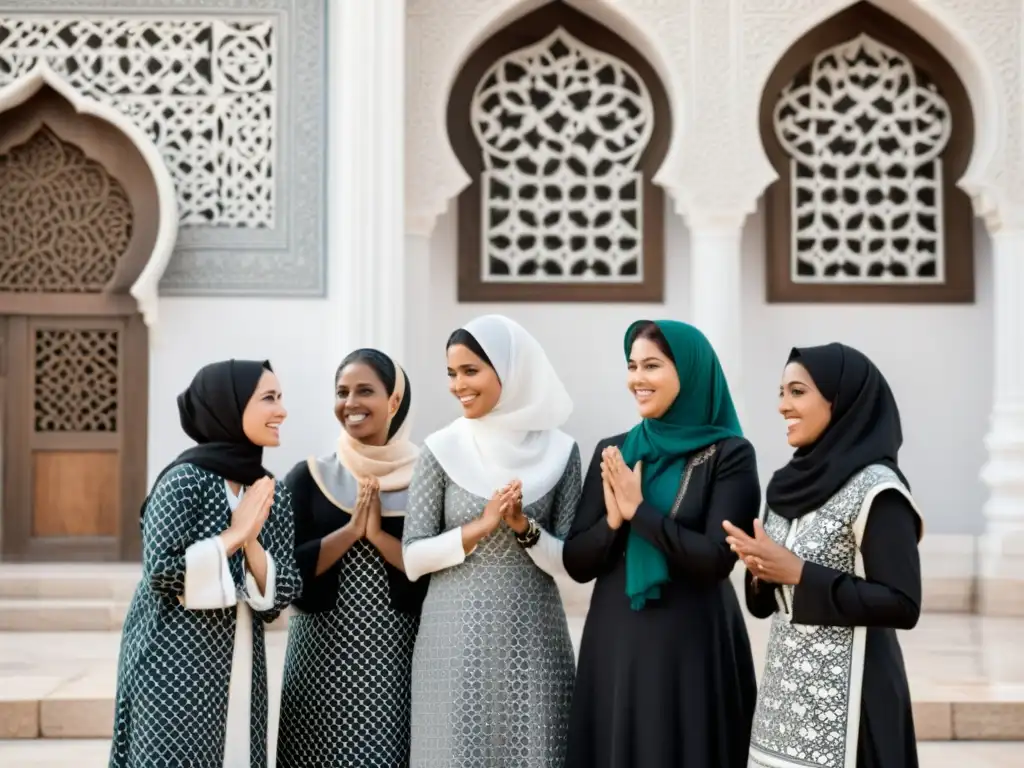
140	277
557	108
869	129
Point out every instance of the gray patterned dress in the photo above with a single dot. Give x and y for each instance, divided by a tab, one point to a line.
175	665
493	667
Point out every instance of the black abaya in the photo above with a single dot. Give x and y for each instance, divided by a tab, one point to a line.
889	598
671	685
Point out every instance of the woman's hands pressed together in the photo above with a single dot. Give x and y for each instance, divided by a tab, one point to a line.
622	484
366	497
369	487
763	557
248	517
512	507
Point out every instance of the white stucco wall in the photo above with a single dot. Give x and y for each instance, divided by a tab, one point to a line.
290	333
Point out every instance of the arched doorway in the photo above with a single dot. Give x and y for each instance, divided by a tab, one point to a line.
79	221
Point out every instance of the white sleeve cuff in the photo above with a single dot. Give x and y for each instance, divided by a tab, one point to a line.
547	555
261	601
208	583
434	554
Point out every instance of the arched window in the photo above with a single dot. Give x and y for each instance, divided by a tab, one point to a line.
561	125
869	129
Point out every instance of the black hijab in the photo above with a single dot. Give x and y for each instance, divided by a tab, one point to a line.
864	430
210	411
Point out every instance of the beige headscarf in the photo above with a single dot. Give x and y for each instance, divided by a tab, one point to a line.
392	463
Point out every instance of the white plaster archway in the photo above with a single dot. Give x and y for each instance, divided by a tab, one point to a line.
970	36
145	288
442	34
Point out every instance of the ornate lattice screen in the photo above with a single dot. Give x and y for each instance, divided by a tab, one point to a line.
64	221
232	94
561	126
203	90
76	380
864	129
870	130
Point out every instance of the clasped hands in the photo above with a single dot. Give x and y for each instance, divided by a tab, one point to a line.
248	517
622	492
365	520
766	559
506	504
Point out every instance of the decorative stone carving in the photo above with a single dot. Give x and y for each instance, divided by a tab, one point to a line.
203	89
440	36
981	39
206	84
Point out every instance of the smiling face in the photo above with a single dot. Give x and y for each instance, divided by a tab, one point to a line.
473	382
805	409
265	412
652	379
362	404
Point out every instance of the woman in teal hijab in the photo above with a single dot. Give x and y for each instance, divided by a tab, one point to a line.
665	676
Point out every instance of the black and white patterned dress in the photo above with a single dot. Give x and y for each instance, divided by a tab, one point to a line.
834	691
493	667
345	698
192	679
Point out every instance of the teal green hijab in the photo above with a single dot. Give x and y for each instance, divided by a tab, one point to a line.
701	414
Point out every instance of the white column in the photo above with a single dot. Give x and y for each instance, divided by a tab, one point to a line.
366	193
716	298
1002	546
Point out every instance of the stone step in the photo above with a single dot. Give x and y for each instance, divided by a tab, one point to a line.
73	615
66	581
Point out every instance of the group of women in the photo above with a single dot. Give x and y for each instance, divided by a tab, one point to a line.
428	628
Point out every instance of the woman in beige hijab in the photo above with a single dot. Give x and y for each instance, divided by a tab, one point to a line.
345	699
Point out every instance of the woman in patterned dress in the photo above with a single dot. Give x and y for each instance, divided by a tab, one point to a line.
217	563
345	700
835	564
493	496
666	676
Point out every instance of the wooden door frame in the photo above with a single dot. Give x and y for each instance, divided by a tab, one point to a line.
20	441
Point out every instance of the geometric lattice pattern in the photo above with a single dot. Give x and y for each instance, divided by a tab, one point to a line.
76	380
562	127
177	663
864	129
347	706
203	89
64	221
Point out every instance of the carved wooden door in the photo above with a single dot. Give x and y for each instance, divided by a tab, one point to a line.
64	434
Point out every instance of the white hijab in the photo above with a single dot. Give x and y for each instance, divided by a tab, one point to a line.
520	439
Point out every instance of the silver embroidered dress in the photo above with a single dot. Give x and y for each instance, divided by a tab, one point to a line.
493	665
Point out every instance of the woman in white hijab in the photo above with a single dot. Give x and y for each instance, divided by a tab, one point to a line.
492	498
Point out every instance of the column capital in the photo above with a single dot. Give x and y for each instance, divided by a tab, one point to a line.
698	218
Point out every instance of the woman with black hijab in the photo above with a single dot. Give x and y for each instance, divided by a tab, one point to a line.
217	562
834	562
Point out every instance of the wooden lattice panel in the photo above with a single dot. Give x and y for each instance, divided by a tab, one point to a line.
64	221
76	380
